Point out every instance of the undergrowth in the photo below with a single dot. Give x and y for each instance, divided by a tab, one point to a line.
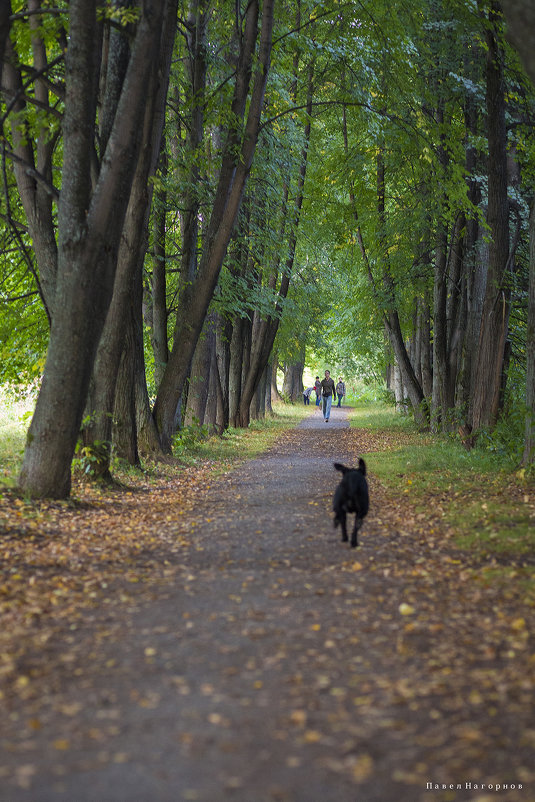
192	445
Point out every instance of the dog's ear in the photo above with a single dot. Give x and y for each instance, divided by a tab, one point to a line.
362	466
339	467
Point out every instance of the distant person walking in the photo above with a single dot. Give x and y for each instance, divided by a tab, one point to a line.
306	395
327	392
317	390
340	390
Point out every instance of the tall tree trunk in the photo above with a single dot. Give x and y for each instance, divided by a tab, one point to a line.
133	245
236	365
124	411
495	318
275	395
269	390
474	260
529	439
399	393
520	15
199	380
424	315
223	329
441	378
393	326
293	380
196	35
89	230
159	289
148	439
233	176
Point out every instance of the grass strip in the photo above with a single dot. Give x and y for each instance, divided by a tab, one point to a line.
489	510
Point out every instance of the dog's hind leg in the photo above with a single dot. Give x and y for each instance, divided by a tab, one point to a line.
354	534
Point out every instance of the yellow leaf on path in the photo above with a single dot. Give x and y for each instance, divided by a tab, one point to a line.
62	744
312	737
518	624
406	609
298	717
363	768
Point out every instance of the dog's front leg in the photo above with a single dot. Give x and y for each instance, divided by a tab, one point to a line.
342	518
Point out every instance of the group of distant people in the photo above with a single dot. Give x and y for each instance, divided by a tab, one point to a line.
326	391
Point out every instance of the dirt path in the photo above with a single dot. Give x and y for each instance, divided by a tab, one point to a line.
268	662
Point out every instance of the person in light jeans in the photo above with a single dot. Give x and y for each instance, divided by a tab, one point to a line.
328	391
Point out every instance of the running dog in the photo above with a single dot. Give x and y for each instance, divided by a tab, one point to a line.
351	495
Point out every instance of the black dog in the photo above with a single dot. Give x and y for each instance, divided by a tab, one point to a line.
351	495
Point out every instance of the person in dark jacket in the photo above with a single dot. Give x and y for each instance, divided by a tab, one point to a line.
328	392
340	390
317	390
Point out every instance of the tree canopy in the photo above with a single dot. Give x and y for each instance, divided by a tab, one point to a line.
197	192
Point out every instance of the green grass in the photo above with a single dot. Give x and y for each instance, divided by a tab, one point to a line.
379	415
14	421
236	445
193	444
489	509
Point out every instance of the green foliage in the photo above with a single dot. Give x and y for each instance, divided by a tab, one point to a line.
382	73
23	324
15	411
187	439
92	460
474	495
122	15
505	440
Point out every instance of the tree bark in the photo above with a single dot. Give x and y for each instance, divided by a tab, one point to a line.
89	229
441	378
293	381
160	347
529	438
520	15
132	248
494	324
235	372
199	380
424	330
269	390
275	395
197	67
124	410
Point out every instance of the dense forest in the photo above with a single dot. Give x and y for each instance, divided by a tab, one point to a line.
196	192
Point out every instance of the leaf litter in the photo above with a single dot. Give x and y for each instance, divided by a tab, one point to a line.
297	668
